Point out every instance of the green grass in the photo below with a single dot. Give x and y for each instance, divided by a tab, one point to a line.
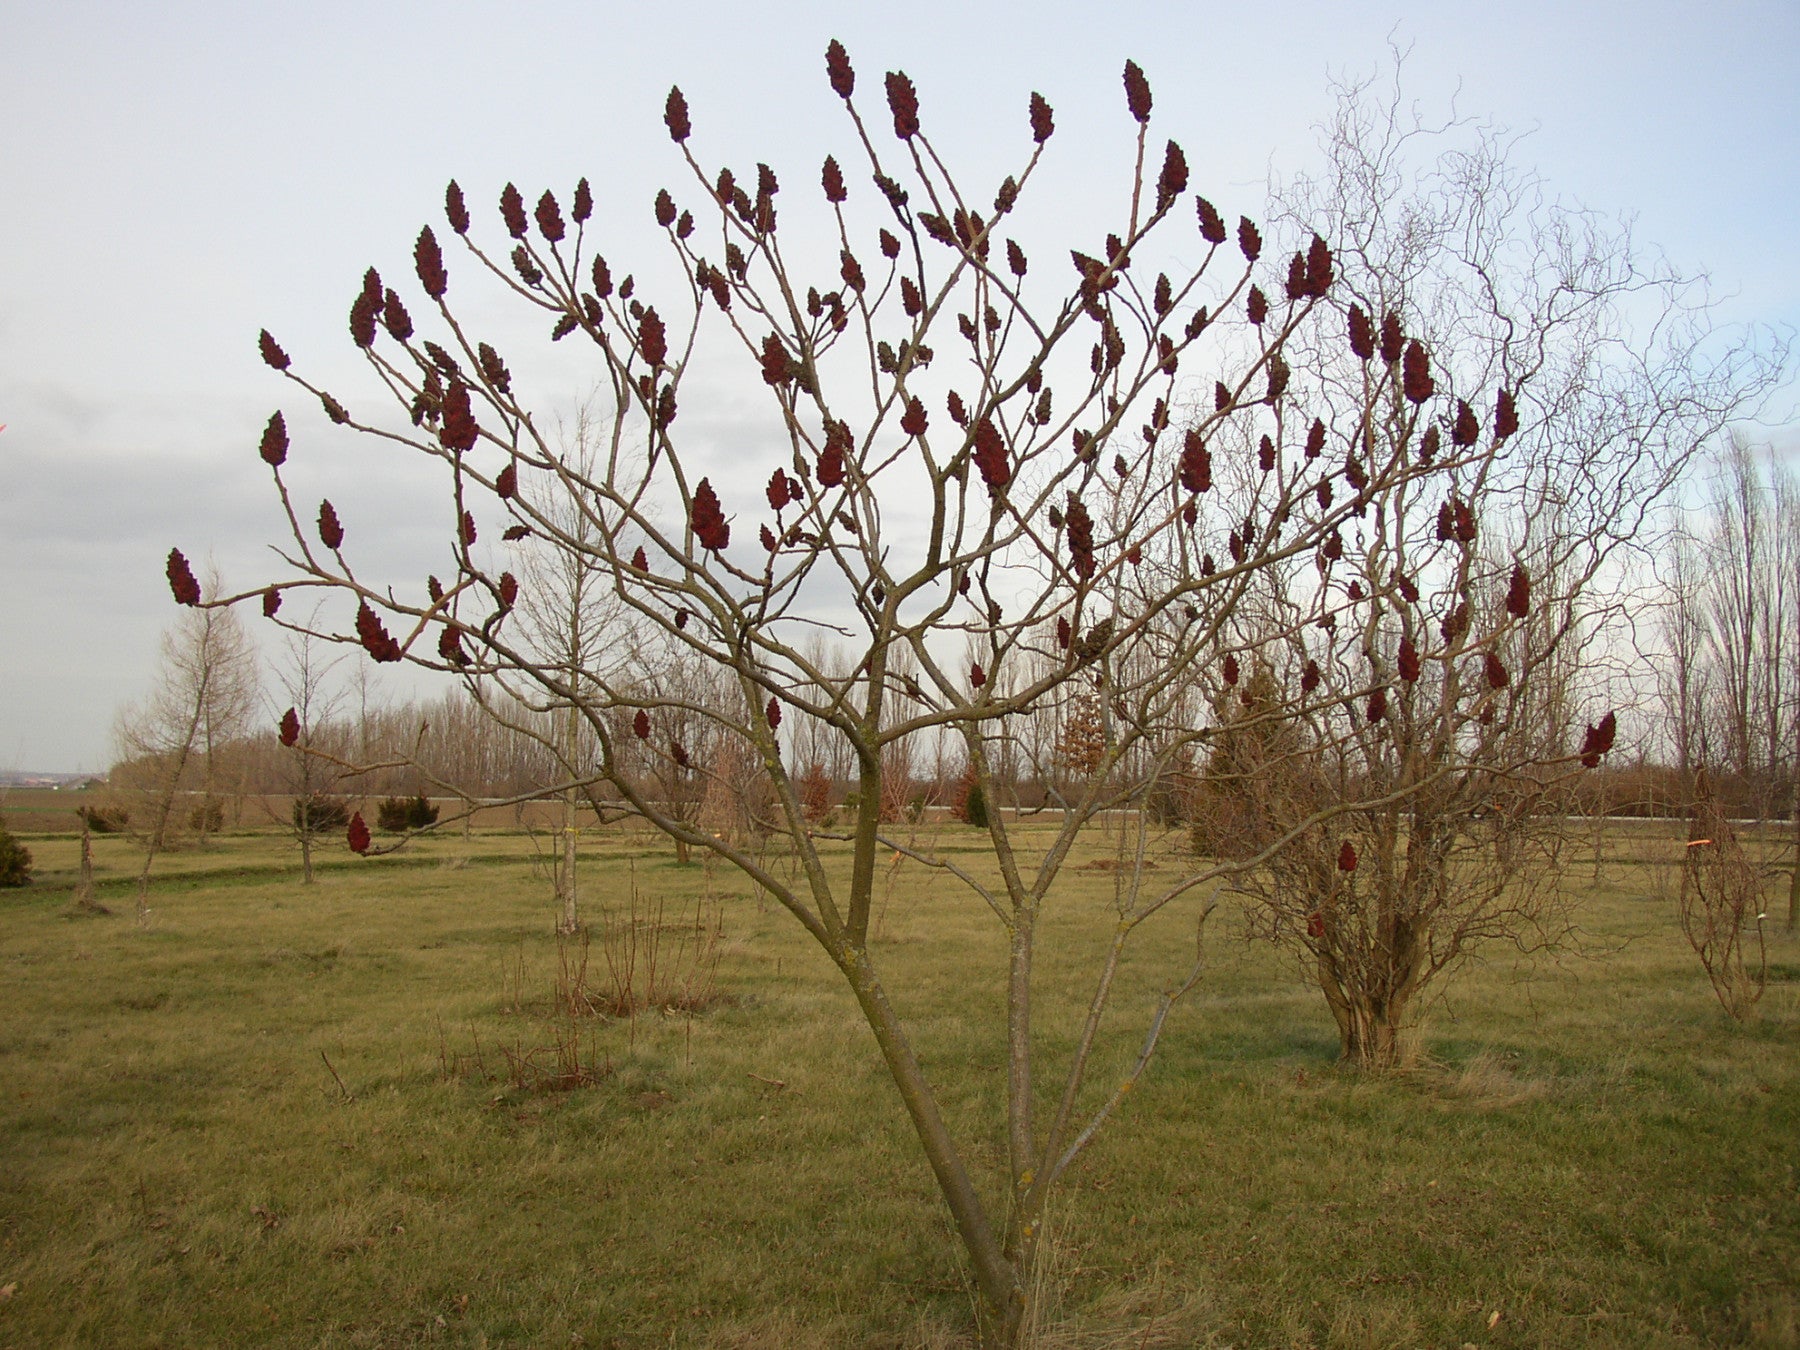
1592	1151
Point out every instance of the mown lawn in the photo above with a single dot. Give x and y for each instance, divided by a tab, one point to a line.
1592	1154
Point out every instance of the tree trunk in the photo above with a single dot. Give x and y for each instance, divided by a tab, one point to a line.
568	922
1793	914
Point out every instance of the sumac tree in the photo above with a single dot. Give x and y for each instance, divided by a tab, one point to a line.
989	466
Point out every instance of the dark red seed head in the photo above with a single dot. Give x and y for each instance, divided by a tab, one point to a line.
1212	224
1518	593
1506	415
1256	308
181	579
1415	378
903	102
831	177
675	116
331	531
1362	334
1393	339
549	219
289	732
1347	857
1248	239
1319	273
772	714
456	211
583	205
272	355
1043	121
357	835
1465	430
275	442
977	676
271	602
512	211
428	263
708	519
837	68
1137	92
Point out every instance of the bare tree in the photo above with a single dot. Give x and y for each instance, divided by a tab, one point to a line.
1449	699
1732	639
1721	902
315	743
975	481
204	685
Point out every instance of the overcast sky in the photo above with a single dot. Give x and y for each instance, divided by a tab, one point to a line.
175	176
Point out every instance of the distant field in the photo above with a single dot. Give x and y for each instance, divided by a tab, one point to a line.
1593	1153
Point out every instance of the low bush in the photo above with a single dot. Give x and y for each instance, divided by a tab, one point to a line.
399	815
15	860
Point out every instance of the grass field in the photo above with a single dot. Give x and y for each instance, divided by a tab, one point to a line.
1592	1155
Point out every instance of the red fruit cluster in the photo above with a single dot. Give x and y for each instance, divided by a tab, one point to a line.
428	261
275	442
289	731
1518	593
181	579
903	102
271	602
1466	430
991	457
374	636
1248	239
509	590
708	520
1408	661
1173	179
450	647
914	421
1393	338
640	725
506	482
1081	539
831	178
457	429
272	355
1506	415
1229	671
1196	463
653	340
773	714
777	370
1212	224
1598	741
357	836
675	116
1347	857
1415	374
837	68
831	459
456	210
1137	92
512	211
1362	334
1495	670
977	676
393	314
1043	122
331	530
